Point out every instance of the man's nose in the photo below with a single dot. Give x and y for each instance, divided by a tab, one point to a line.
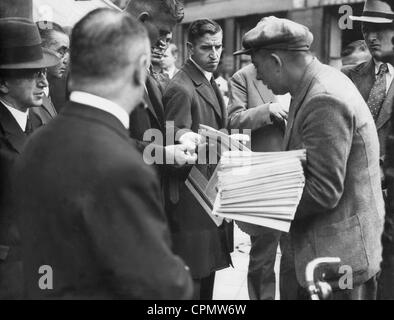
371	36
43	81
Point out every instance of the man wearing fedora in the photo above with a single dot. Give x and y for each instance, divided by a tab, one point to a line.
22	83
374	78
340	213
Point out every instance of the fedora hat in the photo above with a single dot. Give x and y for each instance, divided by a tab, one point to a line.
375	11
20	46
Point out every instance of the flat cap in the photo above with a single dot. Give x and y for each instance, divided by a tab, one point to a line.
276	34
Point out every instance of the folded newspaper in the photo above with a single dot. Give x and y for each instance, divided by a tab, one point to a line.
262	188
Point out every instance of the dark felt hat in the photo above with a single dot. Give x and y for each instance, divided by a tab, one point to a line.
20	46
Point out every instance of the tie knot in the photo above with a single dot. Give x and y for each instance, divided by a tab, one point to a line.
383	69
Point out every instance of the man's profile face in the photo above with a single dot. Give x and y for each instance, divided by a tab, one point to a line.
26	87
378	38
60	45
159	28
168	59
267	71
207	50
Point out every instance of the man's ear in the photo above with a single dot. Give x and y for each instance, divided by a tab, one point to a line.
143	16
277	60
4	86
190	48
141	70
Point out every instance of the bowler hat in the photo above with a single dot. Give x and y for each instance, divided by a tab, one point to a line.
276	34
20	46
375	11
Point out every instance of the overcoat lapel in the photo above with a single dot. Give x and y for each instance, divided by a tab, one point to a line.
203	87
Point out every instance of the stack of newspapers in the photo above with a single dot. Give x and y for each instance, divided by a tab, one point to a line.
262	188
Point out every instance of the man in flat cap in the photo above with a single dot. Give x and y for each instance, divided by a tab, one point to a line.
22	83
341	210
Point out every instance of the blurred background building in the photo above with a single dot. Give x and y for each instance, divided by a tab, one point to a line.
237	17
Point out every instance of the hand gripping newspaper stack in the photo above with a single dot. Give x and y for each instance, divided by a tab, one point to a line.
262	188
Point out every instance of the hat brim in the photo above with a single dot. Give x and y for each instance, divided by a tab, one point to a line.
49	59
371	19
243	51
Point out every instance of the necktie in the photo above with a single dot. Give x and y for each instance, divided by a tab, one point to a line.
29	127
378	92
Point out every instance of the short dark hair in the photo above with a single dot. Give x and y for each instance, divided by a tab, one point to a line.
47	29
174	8
101	44
354	46
200	27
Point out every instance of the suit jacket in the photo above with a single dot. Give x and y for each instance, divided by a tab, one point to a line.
248	108
91	210
190	100
341	210
47	111
363	76
12	142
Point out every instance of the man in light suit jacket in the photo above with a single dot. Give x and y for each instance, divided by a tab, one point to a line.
191	99
90	207
253	106
341	210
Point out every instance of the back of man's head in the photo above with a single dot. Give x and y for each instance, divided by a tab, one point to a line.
104	44
171	8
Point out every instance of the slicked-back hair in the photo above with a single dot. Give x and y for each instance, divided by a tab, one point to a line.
200	27
173	8
105	42
47	29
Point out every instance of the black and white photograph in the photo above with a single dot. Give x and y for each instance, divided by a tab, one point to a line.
212	151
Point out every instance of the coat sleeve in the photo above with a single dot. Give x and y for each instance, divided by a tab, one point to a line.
130	235
327	133
241	114
177	103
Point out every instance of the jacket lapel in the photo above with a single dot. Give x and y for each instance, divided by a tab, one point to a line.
203	87
385	112
49	107
12	131
364	78
153	99
297	100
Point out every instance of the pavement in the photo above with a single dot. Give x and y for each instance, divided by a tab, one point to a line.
231	283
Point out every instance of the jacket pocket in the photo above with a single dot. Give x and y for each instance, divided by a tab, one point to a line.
344	240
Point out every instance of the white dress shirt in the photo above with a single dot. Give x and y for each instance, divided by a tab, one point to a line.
206	74
19	116
389	74
102	104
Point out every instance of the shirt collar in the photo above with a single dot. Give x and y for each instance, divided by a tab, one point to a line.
19	116
102	104
206	74
379	63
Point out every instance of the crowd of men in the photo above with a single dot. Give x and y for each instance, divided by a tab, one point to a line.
79	194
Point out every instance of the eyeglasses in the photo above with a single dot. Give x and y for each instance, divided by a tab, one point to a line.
37	73
62	52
